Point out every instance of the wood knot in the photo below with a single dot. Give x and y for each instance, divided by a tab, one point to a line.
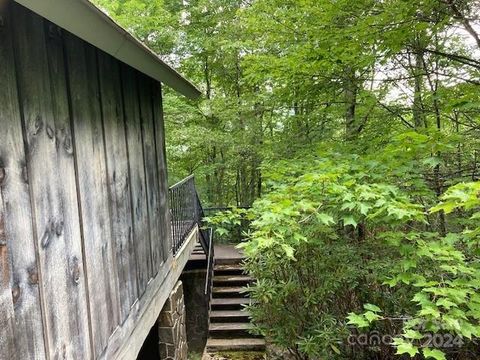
64	351
25	174
54	31
3	175
33	276
75	270
67	145
48	234
59	228
51	30
3	235
50	132
38	125
16	291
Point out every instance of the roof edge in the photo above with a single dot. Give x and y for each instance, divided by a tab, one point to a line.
85	20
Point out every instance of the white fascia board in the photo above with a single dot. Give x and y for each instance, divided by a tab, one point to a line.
83	19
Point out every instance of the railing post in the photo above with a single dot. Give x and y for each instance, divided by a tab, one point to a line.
209	263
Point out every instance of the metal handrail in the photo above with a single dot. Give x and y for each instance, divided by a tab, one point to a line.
210	257
188	178
187	212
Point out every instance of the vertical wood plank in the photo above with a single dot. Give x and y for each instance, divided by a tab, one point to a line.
67	189
140	219
16	221
151	170
165	228
42	94
7	317
93	189
118	179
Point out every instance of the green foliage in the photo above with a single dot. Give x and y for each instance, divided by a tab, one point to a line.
444	275
319	213
229	226
367	233
353	127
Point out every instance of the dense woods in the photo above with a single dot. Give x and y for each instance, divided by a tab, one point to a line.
352	129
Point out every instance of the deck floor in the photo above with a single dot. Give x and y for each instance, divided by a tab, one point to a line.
224	252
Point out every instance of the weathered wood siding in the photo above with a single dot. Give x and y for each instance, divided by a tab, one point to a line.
83	193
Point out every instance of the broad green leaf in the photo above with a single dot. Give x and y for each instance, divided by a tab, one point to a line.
371	316
404	347
429	309
446	303
357	320
325	218
364	208
434	354
349	220
372	307
412	334
289	251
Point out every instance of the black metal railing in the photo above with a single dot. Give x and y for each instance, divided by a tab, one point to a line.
186	212
183	211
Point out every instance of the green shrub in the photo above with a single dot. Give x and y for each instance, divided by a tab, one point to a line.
337	233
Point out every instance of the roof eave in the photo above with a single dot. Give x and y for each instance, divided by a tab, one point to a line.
85	20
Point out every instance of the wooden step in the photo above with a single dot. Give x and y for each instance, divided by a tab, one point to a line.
229	292
229	303
197	257
217	316
228	269
241	344
232	279
230	326
227	289
227	330
229	261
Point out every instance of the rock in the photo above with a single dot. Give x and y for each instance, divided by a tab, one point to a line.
171	327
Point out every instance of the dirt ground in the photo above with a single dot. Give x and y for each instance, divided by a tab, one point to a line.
235	356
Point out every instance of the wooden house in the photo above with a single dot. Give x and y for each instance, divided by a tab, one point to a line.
86	253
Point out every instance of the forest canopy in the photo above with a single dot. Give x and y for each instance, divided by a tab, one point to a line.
351	129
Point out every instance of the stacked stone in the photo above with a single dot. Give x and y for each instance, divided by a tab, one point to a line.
171	327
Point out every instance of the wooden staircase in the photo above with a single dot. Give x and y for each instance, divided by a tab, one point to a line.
229	321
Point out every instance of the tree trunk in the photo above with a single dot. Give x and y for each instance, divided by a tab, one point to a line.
418	115
351	89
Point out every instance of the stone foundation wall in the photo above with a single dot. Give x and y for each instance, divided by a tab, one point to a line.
196	303
171	327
